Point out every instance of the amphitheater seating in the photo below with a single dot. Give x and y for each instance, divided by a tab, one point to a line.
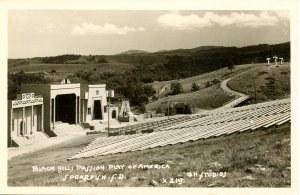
191	128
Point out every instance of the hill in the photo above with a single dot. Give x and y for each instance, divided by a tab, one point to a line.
271	83
264	84
199	60
129	52
127	73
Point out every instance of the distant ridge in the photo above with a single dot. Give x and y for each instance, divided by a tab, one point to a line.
134	52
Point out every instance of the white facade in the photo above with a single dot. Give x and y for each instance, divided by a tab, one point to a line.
65	102
26	115
94	102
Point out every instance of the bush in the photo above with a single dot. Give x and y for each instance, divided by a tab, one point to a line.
143	108
159	110
176	88
215	81
195	87
188	109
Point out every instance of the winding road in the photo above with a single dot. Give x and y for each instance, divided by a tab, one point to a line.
241	97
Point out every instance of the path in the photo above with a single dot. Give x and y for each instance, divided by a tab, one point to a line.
241	97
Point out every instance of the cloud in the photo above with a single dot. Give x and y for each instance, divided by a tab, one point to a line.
107	28
141	29
192	21
181	22
49	28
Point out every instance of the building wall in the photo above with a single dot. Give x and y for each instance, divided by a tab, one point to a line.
61	89
31	118
43	90
86	93
17	119
95	92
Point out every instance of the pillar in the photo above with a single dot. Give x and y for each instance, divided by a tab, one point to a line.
76	110
79	109
53	113
82	111
11	121
50	110
22	123
32	119
42	118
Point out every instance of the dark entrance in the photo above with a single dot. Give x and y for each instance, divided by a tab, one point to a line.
114	114
22	128
65	108
97	110
179	108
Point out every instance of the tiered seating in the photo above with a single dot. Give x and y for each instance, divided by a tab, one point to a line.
148	127
196	127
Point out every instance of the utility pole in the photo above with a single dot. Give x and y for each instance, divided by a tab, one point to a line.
110	94
108	114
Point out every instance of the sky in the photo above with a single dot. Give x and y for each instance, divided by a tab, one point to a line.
39	33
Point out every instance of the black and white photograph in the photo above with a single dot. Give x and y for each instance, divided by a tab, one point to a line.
149	98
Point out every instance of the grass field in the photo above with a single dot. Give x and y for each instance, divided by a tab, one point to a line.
72	68
205	99
271	82
202	79
256	159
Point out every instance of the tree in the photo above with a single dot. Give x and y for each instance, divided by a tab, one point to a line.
195	87
143	108
176	88
149	90
230	66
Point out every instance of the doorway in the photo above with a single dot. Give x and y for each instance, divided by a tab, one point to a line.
65	108
97	111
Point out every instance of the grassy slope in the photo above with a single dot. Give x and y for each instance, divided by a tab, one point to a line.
116	67
220	74
207	99
271	82
237	154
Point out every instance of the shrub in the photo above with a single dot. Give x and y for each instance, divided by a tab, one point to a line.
143	108
215	81
176	88
188	109
195	87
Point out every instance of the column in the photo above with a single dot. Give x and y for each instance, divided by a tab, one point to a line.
53	113
11	121
22	123
83	111
11	125
76	110
42	118
79	110
32	119
50	110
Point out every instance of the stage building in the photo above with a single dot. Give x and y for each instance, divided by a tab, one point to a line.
56	104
